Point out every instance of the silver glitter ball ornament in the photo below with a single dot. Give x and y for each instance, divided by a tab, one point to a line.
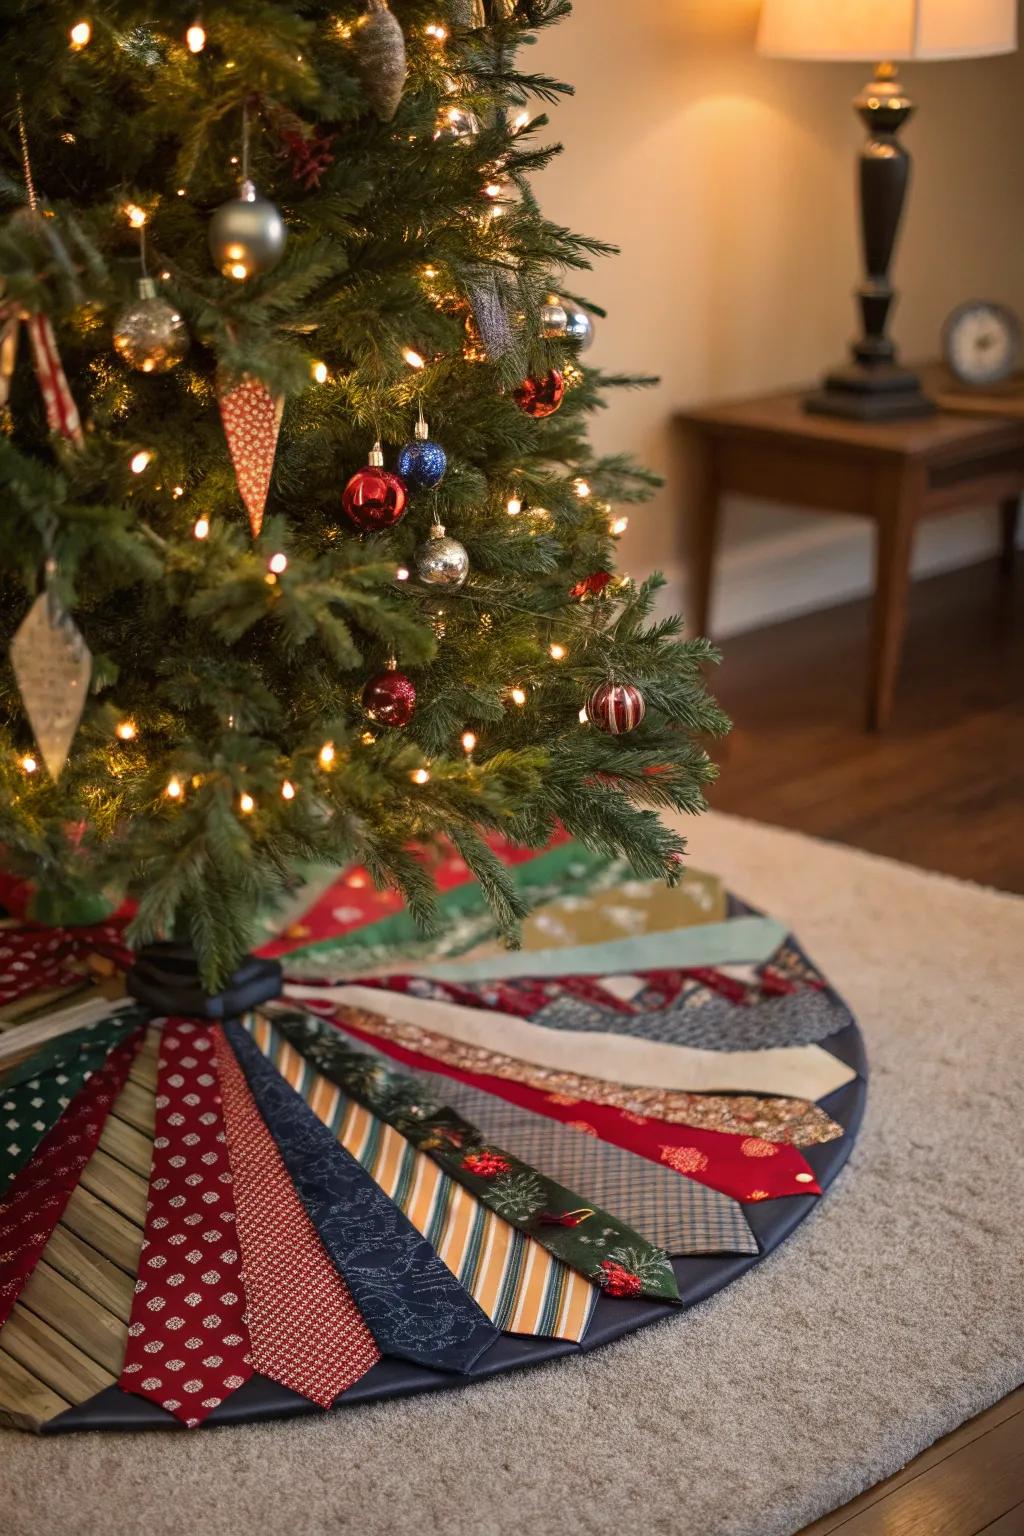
579	326
247	235
441	561
554	318
150	335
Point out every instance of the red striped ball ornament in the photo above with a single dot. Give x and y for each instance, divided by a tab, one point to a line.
616	708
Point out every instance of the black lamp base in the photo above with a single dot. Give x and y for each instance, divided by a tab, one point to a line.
165	978
881	392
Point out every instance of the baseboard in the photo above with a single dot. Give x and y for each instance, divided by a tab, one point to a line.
823	563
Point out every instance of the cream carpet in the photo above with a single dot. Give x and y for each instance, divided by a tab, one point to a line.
893	1314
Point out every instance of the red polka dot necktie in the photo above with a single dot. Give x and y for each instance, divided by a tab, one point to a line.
188	1342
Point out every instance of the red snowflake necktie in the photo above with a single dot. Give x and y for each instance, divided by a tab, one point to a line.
37	1195
306	1330
188	1344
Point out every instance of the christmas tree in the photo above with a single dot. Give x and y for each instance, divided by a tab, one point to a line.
304	552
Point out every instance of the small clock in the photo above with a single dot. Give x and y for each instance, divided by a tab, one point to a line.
981	342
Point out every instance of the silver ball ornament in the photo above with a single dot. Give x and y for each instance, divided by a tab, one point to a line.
247	235
554	318
441	561
457	123
150	335
579	326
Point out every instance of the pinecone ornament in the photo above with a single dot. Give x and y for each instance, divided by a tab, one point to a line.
380	53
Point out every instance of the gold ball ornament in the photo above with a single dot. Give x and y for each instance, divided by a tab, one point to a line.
150	335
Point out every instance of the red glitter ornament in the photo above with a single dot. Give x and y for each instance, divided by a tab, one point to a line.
616	708
374	499
540	397
390	698
592	585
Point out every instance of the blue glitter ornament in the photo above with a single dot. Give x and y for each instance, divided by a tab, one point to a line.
422	463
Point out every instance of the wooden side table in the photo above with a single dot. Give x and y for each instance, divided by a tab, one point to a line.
893	473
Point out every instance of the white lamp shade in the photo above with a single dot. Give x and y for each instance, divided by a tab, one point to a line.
887	29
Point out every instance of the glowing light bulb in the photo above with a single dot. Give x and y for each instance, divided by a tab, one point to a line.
436	31
618	525
174	790
420	776
135	215
239	271
557	652
326	754
468	741
320	372
518	696
195	38
402	574
126	730
278	563
413	358
141	461
246	804
514	507
80	34
582	488
201	528
28	763
181	191
287	790
584	717
520	121
178	492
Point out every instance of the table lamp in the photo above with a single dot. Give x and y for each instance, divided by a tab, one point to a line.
874	385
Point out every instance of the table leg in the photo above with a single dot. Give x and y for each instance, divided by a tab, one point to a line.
703	529
1009	514
898	501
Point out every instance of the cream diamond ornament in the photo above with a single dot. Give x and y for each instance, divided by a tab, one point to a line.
52	666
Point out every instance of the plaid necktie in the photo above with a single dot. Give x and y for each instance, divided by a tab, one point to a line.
520	1285
412	1303
188	1344
306	1330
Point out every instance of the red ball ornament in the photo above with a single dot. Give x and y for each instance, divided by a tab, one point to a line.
374	498
616	708
540	397
390	698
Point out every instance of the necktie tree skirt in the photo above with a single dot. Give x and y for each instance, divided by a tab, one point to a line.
308	564
321	1202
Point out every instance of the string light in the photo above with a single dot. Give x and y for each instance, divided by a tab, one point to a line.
420	776
468	741
201	528
514	507
584	717
413	358
174	789
287	790
141	461
518	696
320	373
402	574
126	730
557	652
436	31
618	525
277	564
195	38
178	492
326	754
367	738
28	763
582	488
520	121
80	34
246	804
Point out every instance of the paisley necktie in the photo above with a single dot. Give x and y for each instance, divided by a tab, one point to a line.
306	1330
188	1344
412	1303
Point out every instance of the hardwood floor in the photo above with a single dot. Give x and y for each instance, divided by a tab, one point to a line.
943	787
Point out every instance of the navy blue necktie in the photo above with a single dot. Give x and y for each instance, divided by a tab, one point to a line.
413	1304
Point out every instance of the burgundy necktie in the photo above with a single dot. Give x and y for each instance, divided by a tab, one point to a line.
306	1330
188	1343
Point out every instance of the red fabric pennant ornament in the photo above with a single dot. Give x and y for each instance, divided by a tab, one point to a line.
252	420
61	411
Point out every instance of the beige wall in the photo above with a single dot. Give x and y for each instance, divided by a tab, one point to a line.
727	181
